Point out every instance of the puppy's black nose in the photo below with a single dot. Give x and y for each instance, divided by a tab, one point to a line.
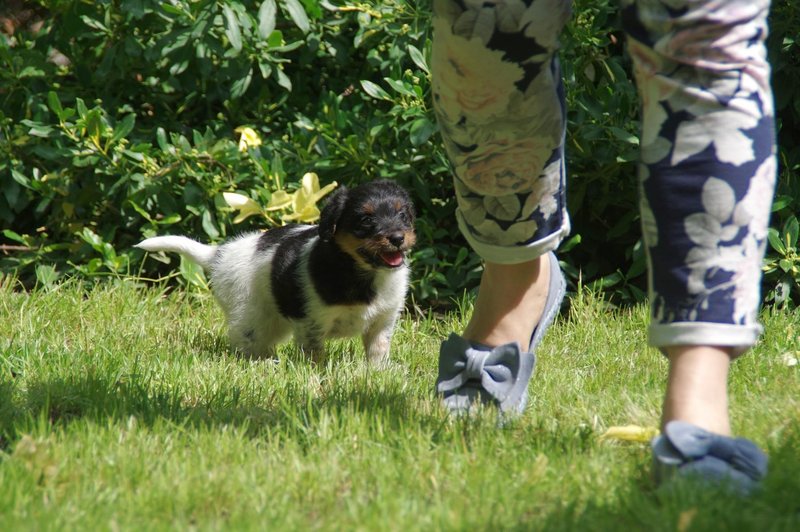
397	238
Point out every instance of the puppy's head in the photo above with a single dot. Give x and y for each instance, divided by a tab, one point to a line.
373	223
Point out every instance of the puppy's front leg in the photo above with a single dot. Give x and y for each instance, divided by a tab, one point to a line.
316	353
312	344
377	341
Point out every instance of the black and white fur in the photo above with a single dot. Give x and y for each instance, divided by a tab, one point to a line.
346	277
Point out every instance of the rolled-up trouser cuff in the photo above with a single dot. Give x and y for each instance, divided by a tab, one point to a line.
739	337
513	254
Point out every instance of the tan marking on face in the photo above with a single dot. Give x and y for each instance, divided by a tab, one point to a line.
368	208
350	245
410	238
398	205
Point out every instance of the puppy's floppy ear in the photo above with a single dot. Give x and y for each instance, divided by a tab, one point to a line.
331	213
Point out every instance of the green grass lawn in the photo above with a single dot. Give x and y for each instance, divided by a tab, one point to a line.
123	408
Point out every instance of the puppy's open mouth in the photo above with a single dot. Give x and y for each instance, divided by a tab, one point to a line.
393	259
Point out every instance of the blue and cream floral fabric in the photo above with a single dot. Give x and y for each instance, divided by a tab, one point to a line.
497	93
707	168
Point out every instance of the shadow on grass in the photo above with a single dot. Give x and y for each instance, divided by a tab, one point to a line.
7	412
642	506
291	410
296	414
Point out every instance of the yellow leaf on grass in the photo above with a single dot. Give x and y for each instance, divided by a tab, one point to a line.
630	433
685	519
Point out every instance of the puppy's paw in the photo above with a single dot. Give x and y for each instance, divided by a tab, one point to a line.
317	355
386	365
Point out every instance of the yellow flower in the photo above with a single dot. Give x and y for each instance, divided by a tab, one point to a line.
248	139
301	203
243	204
280	200
304	200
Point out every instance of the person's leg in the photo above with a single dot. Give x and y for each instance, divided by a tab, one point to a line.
707	178
697	388
499	101
509	303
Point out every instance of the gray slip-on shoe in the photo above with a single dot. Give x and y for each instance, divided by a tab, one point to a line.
471	373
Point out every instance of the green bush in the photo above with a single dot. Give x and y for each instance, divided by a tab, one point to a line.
782	265
119	120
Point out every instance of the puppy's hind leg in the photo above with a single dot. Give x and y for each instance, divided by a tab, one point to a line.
257	341
311	343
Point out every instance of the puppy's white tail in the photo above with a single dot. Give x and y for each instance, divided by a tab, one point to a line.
199	253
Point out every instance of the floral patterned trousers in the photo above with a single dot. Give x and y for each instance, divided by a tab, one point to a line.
707	170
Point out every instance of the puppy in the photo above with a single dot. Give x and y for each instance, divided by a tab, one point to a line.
346	277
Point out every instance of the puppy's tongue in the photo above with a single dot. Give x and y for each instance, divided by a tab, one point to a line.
392	258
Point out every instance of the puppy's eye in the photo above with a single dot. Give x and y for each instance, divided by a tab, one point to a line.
404	217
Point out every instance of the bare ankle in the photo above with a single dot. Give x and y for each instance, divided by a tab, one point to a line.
510	302
697	389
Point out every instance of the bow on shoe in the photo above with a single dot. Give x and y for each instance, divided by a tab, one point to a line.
467	374
692	450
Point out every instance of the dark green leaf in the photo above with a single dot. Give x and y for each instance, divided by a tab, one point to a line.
209	225
287	47
791	228
265	68
569	244
161	138
775	241
38	129
275	39
11	192
298	14
283	80
55	104
463	253
31	72
401	87
239	87
418	58
192	272
624	136
169	8
266	18
143	213
781	202
232	28
608	281
374	90
11	235
92	23
169	220
81	107
46	275
421	131
95	127
123	127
